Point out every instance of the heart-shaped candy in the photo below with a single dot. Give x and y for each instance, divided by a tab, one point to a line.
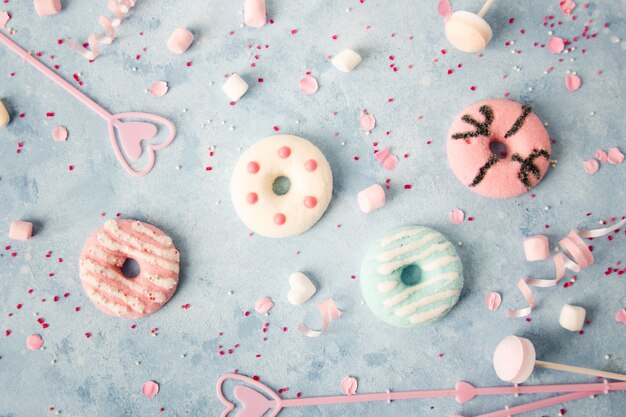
301	288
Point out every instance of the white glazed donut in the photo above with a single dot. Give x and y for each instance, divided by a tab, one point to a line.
252	186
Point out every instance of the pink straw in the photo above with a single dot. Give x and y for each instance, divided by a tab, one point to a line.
128	134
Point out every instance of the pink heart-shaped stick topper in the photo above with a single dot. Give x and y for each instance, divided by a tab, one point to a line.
255	402
127	137
464	392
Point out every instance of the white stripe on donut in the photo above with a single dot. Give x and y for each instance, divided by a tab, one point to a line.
99	285
424	301
93	268
439	262
115	308
105	241
400	235
162	282
387	286
398	298
389	267
98	254
162	239
401	250
120	235
427	315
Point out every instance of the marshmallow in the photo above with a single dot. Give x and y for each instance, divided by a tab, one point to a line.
371	198
235	87
572	318
4	115
536	248
254	14
346	60
468	32
47	7
21	230
180	41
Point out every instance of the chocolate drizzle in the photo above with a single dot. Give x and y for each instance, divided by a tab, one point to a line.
481	128
483	170
526	110
528	166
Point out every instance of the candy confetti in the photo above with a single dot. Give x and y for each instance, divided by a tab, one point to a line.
159	88
308	85
349	385
329	312
457	216
572	82
367	121
150	389
120	8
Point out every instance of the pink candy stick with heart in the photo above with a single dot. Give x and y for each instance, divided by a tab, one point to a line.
257	400
129	134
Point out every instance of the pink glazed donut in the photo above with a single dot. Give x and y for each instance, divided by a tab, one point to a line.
498	148
105	252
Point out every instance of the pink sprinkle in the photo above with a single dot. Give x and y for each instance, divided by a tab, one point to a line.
150	389
591	166
556	45
308	85
294	31
620	316
572	82
457	216
252	198
34	342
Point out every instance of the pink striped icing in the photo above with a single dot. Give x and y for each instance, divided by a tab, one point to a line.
103	255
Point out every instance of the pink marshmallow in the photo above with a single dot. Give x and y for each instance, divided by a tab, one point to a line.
47	7
536	248
254	14
371	198
21	230
180	41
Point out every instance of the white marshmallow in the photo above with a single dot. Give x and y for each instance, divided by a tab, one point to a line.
4	115
572	318
371	198
235	87
346	60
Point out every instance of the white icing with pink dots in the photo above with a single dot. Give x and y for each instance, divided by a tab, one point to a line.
308	171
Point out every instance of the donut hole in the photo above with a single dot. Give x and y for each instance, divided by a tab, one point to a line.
498	148
130	269
411	275
281	185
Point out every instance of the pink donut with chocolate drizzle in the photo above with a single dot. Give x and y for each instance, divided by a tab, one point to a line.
498	148
107	250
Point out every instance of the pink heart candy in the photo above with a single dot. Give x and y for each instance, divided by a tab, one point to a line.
255	402
615	156
464	392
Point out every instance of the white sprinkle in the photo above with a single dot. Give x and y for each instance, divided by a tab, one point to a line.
211	83
614	39
231	128
550	32
297	122
530	89
343	143
185	110
230	292
607	357
546	208
593	113
134	68
178	167
459	243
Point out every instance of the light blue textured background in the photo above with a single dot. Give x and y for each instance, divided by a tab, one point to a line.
99	376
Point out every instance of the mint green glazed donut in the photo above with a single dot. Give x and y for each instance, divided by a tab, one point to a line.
411	277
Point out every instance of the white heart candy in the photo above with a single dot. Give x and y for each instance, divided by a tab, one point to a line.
301	288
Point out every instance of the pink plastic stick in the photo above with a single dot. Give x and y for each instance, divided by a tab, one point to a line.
257	399
129	134
535	405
